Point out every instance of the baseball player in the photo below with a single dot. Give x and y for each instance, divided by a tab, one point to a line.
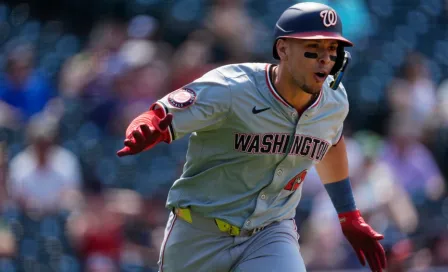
256	129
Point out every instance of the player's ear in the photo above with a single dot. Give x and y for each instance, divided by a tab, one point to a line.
282	49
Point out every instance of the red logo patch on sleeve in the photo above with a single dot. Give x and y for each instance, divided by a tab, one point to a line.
182	98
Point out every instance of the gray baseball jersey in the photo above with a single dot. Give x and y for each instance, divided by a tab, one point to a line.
249	150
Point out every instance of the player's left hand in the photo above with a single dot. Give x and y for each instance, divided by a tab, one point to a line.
144	132
364	240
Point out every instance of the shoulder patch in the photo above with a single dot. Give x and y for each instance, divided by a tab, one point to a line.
182	98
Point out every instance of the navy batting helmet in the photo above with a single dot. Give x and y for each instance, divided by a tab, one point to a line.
314	21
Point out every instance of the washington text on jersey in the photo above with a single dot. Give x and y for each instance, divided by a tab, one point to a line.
275	143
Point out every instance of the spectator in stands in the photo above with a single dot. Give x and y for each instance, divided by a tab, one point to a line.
7	239
88	77
44	173
193	58
96	231
141	77
23	90
438	129
88	73
378	192
414	94
233	29
412	163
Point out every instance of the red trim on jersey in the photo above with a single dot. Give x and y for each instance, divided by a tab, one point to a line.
165	241
276	95
318	99
158	105
271	87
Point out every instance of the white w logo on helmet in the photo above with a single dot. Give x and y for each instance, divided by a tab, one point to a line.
329	17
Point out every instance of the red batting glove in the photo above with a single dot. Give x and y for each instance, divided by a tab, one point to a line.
364	240
145	131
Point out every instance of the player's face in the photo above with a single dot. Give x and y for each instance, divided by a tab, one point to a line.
310	62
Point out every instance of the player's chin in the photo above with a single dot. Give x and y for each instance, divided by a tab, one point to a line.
316	87
312	89
317	90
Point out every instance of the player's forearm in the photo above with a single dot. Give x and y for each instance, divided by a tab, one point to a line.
333	171
364	240
334	166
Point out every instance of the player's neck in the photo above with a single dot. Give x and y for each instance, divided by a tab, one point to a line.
295	96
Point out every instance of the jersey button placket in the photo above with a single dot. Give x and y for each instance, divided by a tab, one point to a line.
263	196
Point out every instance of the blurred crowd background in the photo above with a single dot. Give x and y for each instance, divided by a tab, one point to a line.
74	73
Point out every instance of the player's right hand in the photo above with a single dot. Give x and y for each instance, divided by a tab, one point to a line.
364	240
145	136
